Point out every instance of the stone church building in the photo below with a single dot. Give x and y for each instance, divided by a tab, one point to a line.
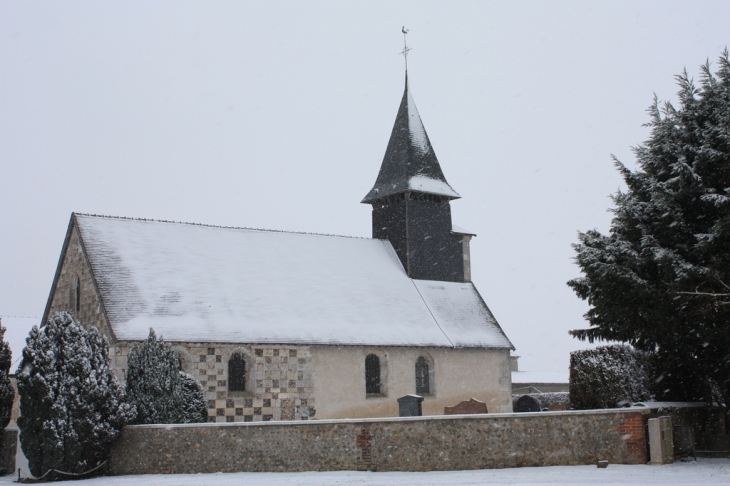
294	326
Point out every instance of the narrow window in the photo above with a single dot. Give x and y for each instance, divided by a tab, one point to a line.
236	373
372	374
421	375
77	295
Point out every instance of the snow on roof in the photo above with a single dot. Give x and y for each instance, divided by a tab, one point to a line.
539	377
198	283
456	307
431	186
461	231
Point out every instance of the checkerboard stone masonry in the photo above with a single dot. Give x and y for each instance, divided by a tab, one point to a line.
282	380
280	387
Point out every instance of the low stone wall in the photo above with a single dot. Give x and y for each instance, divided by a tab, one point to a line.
454	442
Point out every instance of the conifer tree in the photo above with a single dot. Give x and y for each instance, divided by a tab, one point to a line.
196	407
154	383
660	280
7	392
72	405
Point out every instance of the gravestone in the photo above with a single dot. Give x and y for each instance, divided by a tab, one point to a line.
467	407
410	406
556	406
526	403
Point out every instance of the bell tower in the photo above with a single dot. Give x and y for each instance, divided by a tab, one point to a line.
411	203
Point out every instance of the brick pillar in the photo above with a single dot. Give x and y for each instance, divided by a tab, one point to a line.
633	433
364	443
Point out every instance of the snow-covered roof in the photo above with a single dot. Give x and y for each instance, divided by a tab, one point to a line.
409	164
461	231
526	377
210	284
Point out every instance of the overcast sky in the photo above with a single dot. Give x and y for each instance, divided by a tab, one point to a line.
277	115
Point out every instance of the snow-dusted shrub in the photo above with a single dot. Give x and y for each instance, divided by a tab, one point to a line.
608	377
155	385
7	392
196	407
72	405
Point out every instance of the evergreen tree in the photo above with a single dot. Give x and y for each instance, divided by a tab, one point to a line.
72	404
196	407
660	280
7	392
154	384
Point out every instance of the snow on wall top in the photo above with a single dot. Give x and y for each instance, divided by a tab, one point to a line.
208	284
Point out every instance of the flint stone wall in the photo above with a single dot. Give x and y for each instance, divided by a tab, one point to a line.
399	444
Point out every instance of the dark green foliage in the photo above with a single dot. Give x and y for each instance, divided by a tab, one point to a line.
660	280
160	391
609	377
73	405
196	407
7	392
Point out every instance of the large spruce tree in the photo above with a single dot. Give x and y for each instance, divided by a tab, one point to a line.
660	280
72	405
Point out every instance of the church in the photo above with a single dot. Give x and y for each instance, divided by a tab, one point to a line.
294	326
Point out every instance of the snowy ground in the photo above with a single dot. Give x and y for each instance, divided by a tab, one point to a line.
705	471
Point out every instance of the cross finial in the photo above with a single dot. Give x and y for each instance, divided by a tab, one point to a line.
405	50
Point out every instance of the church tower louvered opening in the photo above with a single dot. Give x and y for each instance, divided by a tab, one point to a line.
411	203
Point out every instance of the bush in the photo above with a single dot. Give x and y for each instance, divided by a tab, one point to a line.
156	387
196	407
608	377
73	405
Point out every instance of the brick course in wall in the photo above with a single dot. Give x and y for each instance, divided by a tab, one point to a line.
398	444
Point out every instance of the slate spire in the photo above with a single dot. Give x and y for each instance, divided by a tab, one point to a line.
411	203
410	163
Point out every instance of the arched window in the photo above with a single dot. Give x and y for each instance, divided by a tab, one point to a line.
372	374
237	373
422	376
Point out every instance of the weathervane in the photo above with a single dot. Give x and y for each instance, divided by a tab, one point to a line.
405	50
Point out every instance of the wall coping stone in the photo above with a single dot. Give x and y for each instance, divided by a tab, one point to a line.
425	418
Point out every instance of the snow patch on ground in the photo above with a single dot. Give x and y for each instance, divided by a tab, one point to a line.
708	472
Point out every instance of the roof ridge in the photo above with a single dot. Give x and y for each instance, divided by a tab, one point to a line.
222	227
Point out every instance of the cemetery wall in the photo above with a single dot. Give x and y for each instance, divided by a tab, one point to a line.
455	442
